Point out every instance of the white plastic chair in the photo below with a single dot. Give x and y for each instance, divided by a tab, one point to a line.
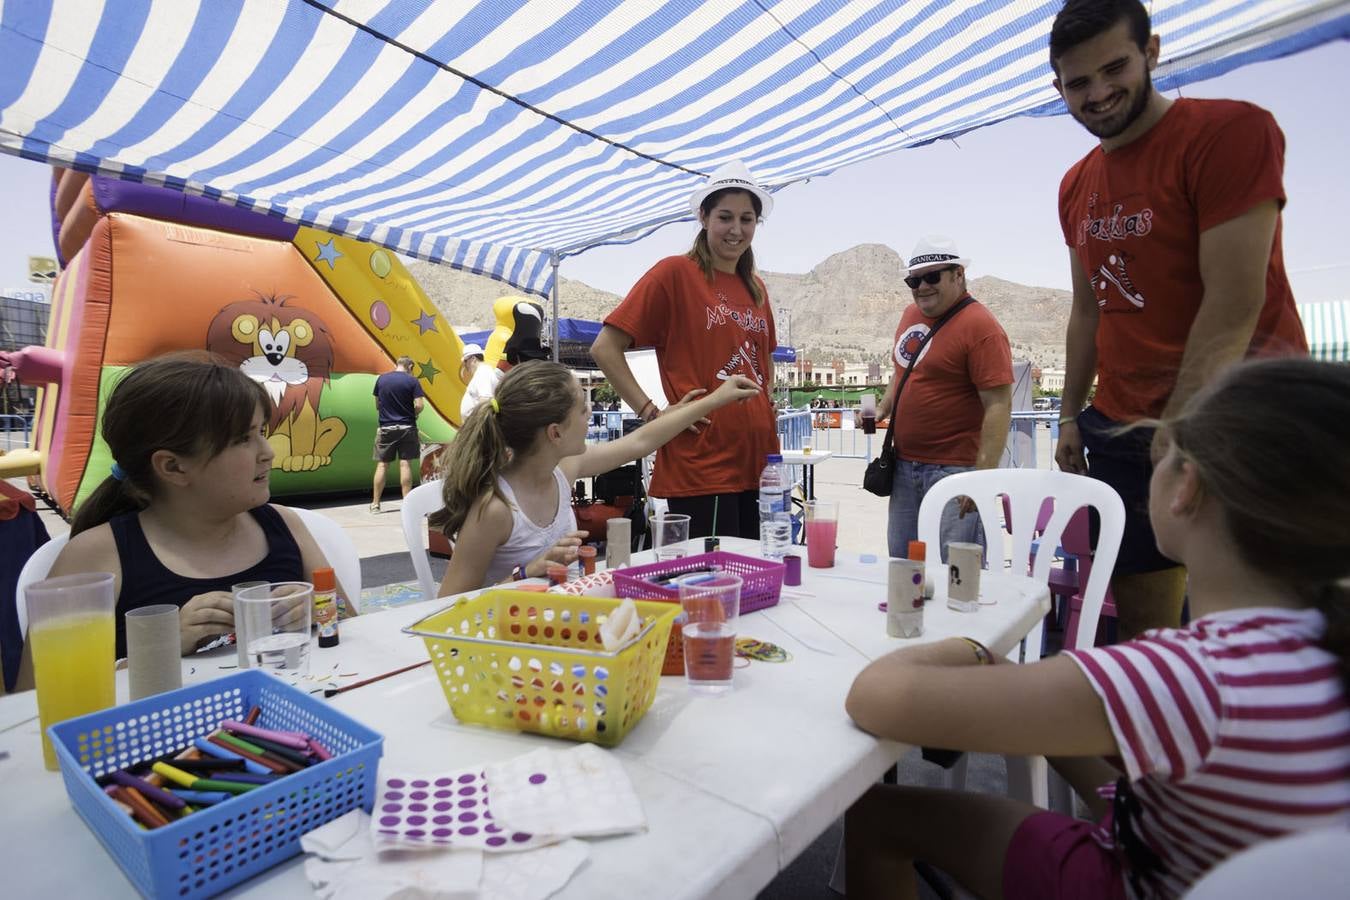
1027	489
421	502
36	569
339	550
1307	864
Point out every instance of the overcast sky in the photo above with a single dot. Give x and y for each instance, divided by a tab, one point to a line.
993	190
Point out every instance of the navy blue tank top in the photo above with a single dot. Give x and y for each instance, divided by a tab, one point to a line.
146	581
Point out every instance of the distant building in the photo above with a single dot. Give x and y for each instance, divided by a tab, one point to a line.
1052	380
23	323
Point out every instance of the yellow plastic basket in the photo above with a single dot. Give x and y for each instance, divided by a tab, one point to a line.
534	662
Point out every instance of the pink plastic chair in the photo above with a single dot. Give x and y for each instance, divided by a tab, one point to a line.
1077	540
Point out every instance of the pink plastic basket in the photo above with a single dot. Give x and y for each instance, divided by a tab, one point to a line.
761	579
761	582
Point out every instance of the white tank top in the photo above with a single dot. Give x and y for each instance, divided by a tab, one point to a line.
527	539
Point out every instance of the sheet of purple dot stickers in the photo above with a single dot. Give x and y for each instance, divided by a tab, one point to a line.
533	800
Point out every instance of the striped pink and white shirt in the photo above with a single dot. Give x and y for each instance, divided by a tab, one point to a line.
1232	730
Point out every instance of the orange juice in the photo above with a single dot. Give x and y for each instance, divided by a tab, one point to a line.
73	667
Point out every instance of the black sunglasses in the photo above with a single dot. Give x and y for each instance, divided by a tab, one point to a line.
932	277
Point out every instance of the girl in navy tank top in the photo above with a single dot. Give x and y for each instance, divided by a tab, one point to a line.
183	514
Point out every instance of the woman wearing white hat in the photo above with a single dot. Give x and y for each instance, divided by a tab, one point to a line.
707	314
481	380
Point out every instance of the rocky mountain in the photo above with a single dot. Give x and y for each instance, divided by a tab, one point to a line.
845	308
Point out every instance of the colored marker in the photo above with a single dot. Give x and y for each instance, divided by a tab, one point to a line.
190	782
206	746
285	753
254	752
149	790
201	798
276	737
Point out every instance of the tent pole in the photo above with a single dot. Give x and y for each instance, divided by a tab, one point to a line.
554	260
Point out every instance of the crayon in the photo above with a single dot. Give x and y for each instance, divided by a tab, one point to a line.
276	737
201	798
319	750
252	716
163	798
253	752
226	753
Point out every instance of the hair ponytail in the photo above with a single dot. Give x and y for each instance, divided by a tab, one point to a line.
475	458
113	497
532	396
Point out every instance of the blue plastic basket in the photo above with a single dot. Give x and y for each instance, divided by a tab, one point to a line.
217	847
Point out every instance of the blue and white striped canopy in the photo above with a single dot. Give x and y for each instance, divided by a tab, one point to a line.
501	136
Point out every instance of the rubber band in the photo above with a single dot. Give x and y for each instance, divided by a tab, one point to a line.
763	651
496	408
117	473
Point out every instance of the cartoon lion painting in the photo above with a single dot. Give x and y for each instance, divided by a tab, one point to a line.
288	351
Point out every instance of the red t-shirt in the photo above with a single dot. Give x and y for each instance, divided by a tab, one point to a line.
940	412
1134	216
703	333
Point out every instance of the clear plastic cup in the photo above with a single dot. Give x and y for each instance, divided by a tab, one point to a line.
712	604
71	636
670	536
274	626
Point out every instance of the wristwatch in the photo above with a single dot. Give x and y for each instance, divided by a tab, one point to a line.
518	574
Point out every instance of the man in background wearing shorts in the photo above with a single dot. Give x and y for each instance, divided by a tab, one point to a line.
398	400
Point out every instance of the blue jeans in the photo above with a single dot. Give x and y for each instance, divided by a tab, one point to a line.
912	481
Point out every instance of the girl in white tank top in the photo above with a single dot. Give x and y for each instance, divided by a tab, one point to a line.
511	465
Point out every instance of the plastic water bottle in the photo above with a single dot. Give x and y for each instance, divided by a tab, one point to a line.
775	504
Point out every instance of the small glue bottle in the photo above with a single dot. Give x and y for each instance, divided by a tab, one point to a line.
918	551
326	606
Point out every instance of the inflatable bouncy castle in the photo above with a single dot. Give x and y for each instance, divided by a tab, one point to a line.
314	317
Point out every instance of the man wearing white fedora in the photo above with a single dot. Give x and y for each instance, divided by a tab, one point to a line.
951	393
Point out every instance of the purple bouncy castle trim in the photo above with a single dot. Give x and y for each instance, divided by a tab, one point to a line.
113	195
56	221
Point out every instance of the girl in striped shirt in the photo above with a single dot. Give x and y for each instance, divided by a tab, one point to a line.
1208	738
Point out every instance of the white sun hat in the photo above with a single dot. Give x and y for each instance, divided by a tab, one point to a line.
471	350
935	250
732	175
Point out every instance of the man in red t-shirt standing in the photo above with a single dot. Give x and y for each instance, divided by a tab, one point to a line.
953	413
1173	227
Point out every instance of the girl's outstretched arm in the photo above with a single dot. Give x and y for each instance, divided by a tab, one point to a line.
937	695
599	458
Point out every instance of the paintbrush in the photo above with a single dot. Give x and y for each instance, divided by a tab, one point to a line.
333	692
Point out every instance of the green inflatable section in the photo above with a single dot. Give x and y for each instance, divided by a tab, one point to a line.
347	397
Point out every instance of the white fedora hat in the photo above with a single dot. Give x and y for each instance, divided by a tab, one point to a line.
935	250
732	175
471	350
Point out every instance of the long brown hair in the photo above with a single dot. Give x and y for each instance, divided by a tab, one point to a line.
1269	439
532	396
186	403
701	253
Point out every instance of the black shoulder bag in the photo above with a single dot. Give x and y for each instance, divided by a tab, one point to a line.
880	474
